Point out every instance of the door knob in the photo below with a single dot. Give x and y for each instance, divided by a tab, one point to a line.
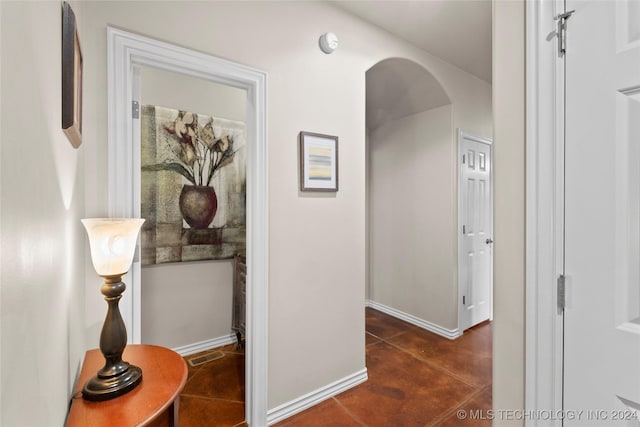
488	241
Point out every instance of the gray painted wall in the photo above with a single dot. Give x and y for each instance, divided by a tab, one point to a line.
413	205
509	187
44	248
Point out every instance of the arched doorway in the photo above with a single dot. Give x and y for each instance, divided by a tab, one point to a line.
412	196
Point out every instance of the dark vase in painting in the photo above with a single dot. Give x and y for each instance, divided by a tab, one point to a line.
198	205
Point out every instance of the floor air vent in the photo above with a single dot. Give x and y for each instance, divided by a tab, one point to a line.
204	358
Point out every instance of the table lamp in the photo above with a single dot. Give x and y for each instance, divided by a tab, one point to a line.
112	242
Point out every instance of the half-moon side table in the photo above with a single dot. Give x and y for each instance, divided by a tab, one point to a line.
153	403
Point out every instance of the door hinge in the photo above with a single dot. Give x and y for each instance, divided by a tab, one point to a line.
561	32
464	159
464	229
562	292
135	109
464	300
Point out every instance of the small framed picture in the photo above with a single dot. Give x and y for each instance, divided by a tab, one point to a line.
71	77
318	162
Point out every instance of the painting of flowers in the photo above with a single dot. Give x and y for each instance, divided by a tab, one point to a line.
193	186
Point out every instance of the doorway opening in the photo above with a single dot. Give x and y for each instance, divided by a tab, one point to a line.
411	204
195	229
413	232
127	53
195	316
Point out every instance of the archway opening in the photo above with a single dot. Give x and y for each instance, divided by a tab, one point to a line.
411	197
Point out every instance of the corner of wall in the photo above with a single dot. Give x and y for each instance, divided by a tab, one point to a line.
509	153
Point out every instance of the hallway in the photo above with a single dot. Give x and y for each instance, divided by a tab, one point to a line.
416	378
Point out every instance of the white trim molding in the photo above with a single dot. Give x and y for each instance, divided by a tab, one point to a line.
409	318
126	52
295	406
544	211
197	347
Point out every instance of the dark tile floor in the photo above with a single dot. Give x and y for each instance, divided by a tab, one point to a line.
416	378
214	393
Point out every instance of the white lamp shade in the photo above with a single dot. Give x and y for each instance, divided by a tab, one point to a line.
113	243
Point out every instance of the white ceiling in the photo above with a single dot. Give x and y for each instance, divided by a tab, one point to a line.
457	31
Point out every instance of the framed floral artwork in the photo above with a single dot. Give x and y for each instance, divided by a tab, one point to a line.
71	77
193	186
318	162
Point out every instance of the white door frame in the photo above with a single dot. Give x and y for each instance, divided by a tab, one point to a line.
544	210
463	322
127	50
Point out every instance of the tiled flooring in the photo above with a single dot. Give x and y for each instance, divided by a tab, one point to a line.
416	378
214	393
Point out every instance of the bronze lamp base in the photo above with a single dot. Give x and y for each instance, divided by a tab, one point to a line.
98	388
117	377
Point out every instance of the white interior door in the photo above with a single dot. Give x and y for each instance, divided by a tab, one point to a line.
602	208
476	208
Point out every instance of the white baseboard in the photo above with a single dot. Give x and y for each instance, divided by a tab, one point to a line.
431	327
308	400
197	347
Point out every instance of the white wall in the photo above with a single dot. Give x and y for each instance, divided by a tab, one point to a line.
413	216
44	246
173	90
509	214
317	244
187	303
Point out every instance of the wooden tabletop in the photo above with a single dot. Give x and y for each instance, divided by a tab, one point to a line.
164	374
